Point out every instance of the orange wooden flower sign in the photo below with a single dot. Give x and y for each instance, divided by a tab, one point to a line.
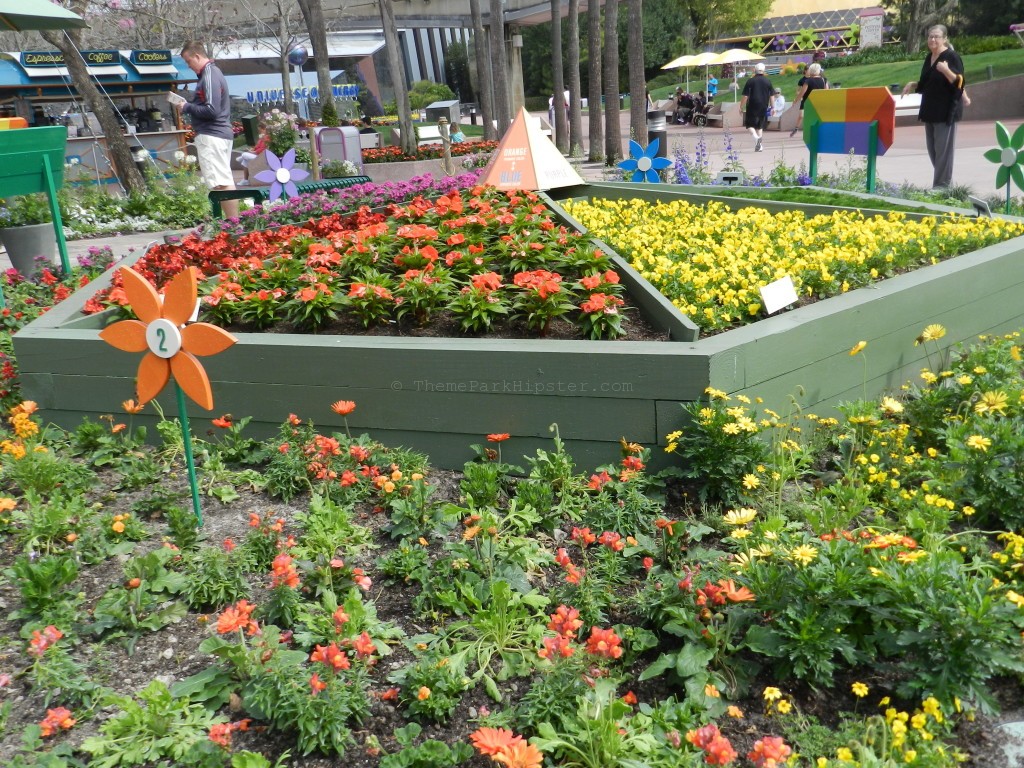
161	332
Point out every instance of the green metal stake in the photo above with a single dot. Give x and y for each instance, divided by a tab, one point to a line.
814	153
872	154
1007	212
190	461
58	225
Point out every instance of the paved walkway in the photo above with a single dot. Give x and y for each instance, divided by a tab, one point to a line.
905	161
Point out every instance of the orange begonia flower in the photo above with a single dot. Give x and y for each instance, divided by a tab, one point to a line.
171	346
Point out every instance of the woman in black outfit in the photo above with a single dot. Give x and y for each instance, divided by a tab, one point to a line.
941	86
811	81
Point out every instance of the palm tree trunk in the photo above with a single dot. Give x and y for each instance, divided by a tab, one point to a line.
594	112
612	129
313	14
484	86
561	125
286	74
573	83
387	19
637	82
499	61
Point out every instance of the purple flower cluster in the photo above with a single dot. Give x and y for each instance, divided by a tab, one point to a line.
326	202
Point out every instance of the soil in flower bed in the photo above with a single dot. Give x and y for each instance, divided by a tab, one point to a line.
445	325
172	653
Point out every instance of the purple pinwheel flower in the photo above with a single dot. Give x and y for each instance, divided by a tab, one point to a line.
282	174
645	163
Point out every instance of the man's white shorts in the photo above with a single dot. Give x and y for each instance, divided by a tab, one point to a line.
215	160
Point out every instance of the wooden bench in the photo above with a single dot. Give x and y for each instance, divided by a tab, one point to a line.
427	134
714	115
908	106
260	194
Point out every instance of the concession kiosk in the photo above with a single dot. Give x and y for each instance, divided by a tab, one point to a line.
36	86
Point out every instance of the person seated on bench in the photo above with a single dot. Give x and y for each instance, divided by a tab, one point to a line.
456	135
251	154
777	105
684	107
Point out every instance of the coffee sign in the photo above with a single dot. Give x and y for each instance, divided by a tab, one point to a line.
56	58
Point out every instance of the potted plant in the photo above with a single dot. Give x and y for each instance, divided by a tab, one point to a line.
282	130
26	228
338	169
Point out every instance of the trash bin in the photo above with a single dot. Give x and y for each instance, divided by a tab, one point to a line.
140	156
251	129
656	129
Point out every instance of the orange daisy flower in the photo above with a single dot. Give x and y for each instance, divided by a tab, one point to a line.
161	332
520	755
498	438
343	407
491	741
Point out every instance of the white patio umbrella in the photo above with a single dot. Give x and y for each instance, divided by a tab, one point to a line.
705	59
734	56
683	61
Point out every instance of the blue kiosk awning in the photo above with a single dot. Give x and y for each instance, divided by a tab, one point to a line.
44	75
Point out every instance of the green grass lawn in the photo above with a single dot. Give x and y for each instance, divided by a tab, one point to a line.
1004	64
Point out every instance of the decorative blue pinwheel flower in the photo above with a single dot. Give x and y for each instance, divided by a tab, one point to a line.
282	174
645	163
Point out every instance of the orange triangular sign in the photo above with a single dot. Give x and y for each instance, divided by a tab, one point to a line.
527	159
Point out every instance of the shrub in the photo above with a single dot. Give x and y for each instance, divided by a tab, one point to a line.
425	92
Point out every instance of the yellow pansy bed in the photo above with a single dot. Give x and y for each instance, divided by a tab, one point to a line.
711	261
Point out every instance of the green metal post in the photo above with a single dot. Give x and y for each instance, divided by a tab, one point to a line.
813	147
58	225
872	154
190	462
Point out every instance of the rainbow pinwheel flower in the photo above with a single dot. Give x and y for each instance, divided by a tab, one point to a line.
1010	156
282	174
645	163
164	333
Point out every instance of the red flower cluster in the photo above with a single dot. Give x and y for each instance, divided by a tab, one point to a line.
330	655
220	733
238	617
769	752
55	720
545	283
602	303
604	643
565	622
284	572
572	573
42	640
717	749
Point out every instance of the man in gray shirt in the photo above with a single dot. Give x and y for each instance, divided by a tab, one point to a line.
210	113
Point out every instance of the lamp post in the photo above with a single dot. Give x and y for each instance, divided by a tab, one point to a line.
298	56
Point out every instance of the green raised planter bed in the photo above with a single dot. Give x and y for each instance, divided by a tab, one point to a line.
442	395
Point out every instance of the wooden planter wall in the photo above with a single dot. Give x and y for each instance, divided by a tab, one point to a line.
440	396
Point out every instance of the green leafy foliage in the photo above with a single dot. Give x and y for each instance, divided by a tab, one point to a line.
152	728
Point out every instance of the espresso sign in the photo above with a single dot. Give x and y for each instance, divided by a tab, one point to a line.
151	57
56	58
